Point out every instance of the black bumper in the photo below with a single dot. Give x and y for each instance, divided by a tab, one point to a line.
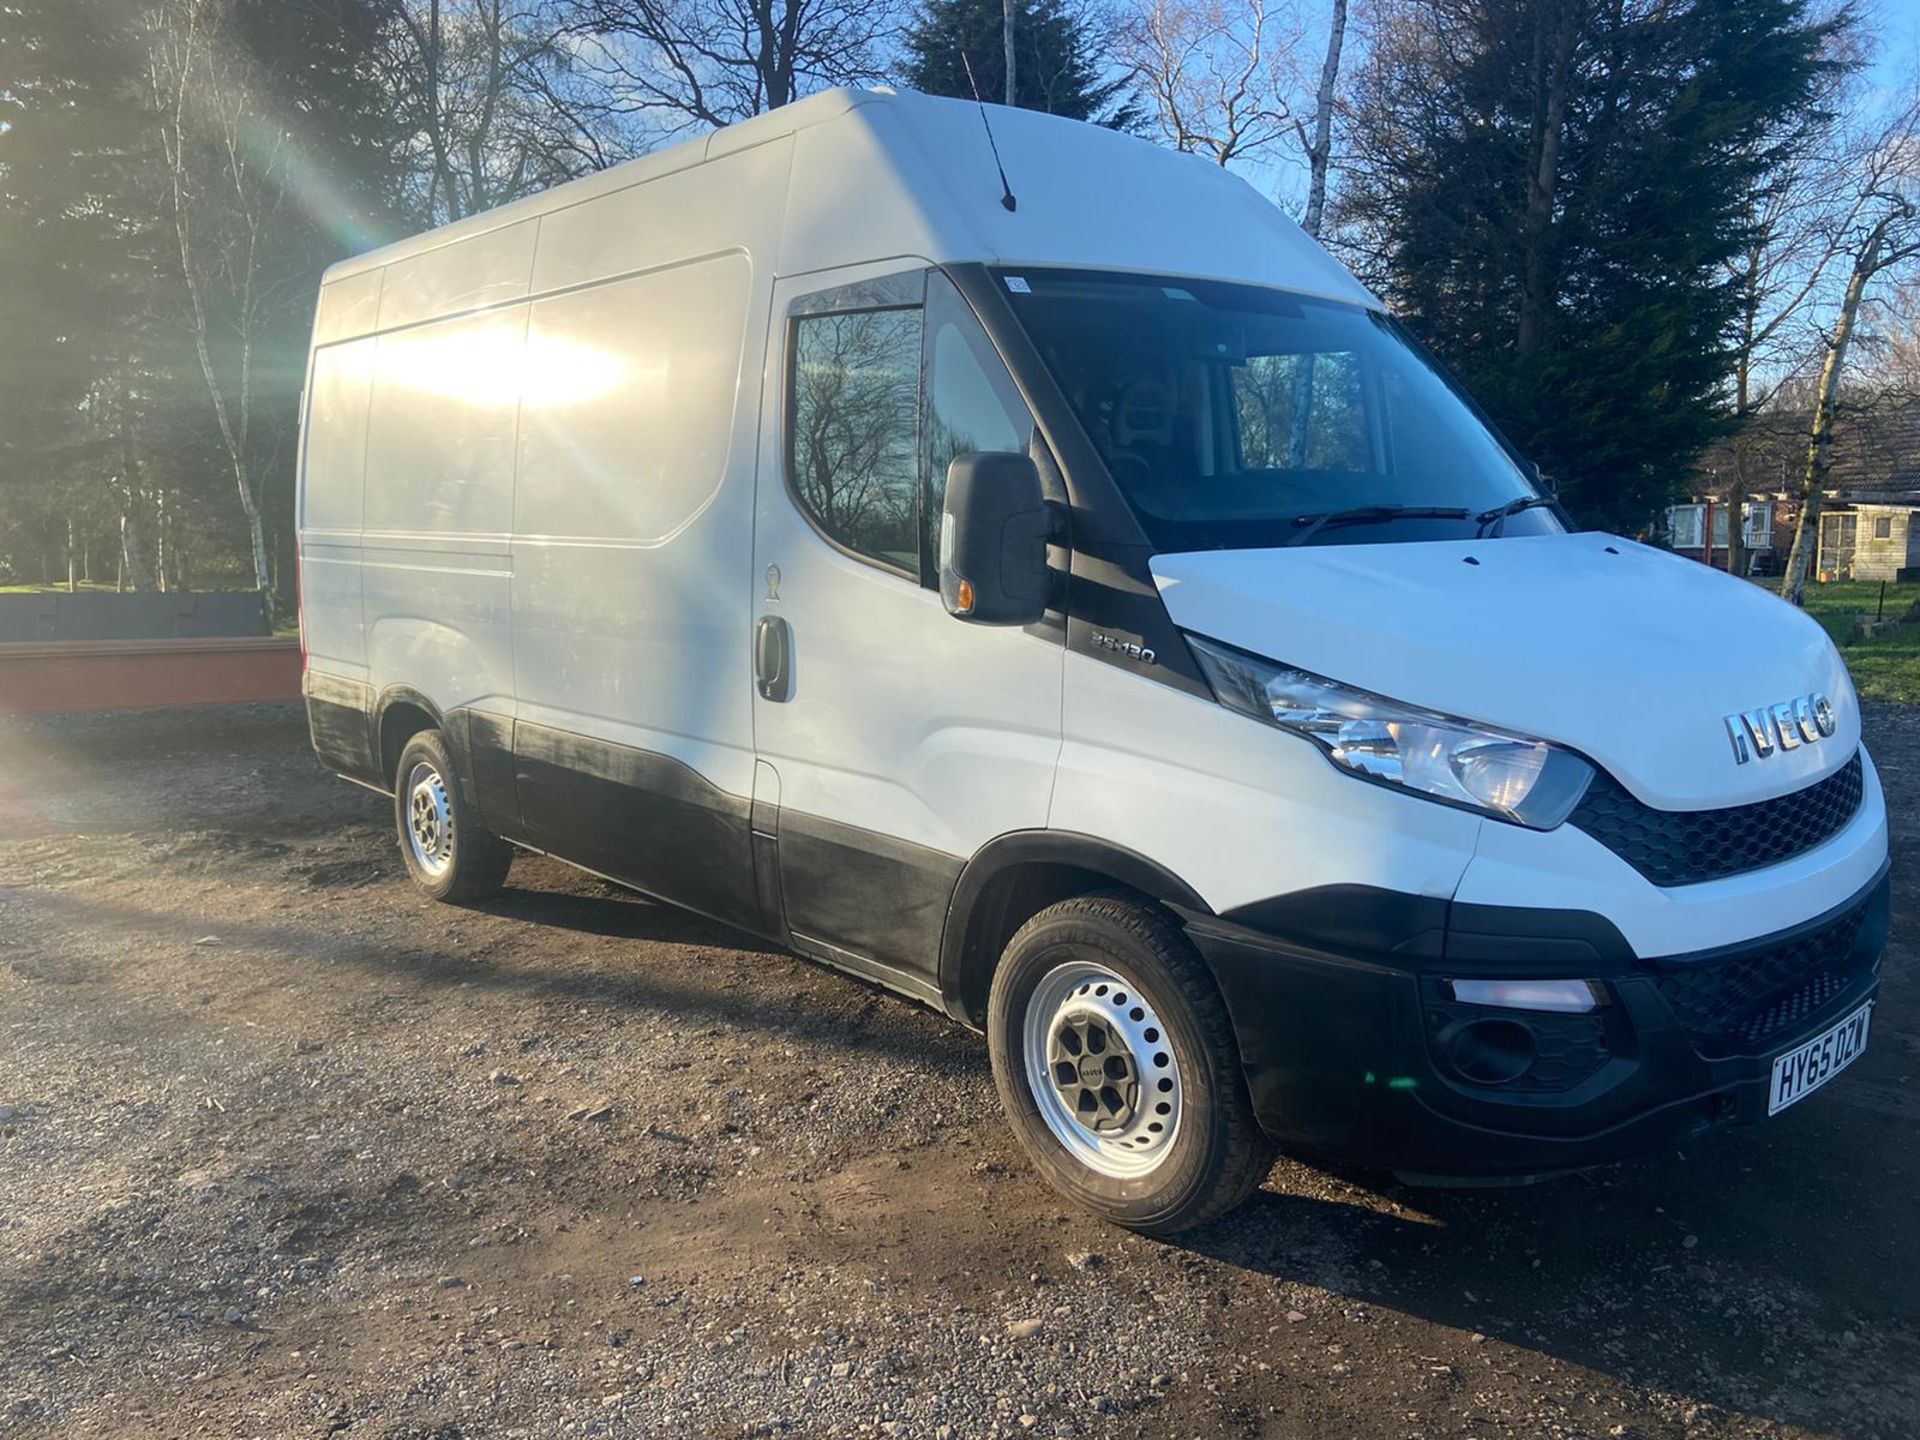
1351	1044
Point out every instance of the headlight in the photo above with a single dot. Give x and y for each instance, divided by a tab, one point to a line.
1527	781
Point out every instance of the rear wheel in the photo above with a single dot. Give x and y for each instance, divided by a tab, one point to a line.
1117	1066
448	855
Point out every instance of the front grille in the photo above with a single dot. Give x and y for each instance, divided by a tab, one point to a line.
1684	847
1740	1003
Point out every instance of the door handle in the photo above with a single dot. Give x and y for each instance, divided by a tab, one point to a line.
773	658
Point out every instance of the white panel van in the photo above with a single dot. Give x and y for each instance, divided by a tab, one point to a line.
1073	602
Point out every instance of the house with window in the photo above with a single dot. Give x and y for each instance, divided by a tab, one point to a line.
1688	525
1871	539
1870	516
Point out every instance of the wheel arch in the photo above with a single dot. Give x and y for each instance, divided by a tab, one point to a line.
399	714
1014	877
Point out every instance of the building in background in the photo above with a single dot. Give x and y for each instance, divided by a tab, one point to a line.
1870	522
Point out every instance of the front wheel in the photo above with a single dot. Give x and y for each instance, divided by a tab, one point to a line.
1117	1066
448	855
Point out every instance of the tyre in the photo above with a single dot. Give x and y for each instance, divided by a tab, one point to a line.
448	855
1117	1066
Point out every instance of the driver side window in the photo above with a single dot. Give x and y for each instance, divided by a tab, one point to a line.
855	431
880	402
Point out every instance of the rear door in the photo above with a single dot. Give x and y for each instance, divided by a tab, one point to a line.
895	740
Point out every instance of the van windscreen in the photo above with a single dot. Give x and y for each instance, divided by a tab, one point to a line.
1235	417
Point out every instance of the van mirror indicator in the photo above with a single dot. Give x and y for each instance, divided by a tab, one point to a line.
994	528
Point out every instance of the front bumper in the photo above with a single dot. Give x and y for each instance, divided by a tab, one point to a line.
1345	1039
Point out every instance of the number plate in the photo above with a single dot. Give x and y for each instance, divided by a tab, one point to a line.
1805	1068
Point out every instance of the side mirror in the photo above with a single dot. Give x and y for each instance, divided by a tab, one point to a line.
994	527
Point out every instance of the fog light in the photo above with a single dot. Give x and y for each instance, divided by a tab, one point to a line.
1491	1052
1563	997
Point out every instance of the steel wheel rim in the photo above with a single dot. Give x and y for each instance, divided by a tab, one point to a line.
1118	1119
429	820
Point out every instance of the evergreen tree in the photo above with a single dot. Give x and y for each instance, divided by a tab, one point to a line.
1056	59
1550	191
108	435
79	263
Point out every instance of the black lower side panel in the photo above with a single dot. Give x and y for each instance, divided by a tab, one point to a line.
652	822
873	894
491	776
340	718
638	817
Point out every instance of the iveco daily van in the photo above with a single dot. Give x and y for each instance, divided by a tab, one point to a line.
1070	600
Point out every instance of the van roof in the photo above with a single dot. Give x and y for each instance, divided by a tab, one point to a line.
879	173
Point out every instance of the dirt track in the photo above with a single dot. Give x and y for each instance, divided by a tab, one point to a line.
285	1150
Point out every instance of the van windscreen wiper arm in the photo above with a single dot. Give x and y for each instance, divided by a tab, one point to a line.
1497	517
1311	525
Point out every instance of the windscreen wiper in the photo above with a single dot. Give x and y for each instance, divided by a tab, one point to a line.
1497	517
1311	525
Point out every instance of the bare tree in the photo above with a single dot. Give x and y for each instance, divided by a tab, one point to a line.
1318	144
1008	9
223	154
675	65
1799	223
1216	72
1221	76
491	91
1895	345
1878	238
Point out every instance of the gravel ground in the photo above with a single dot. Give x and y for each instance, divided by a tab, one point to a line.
287	1151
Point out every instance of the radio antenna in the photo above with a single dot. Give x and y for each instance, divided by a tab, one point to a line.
1007	202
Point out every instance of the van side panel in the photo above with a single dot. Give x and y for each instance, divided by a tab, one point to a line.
349	306
472	274
630	560
331	512
632	531
722	205
440	454
639	816
333	509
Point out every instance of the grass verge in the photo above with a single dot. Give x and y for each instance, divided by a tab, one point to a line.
1886	667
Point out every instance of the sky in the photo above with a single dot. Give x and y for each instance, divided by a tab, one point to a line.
1899	25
